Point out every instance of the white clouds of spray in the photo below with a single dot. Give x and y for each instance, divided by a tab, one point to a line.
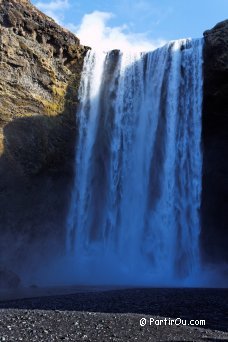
95	32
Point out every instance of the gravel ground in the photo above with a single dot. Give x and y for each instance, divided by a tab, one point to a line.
115	316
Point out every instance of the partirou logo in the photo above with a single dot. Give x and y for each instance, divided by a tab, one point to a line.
171	321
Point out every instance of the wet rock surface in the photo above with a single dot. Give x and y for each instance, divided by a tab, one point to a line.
214	237
115	316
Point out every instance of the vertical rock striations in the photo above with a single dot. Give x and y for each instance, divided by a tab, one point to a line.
40	67
215	144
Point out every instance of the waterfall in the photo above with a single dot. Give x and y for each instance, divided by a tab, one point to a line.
134	214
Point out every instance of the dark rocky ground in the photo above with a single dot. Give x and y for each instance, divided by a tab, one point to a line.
115	315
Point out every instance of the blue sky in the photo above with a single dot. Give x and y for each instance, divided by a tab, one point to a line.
135	21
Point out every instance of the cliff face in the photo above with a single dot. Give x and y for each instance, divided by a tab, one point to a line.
215	145
40	66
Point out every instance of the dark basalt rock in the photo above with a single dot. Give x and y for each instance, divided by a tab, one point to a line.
214	237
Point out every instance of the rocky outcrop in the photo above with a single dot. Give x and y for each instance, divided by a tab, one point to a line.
40	67
214	236
37	60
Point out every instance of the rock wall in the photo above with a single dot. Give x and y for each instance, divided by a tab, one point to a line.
214	236
40	66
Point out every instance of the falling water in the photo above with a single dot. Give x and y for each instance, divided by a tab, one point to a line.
134	213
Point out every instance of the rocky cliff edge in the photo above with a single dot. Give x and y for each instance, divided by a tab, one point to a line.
40	68
214	237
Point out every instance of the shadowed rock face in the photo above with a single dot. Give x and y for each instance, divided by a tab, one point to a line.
215	145
40	67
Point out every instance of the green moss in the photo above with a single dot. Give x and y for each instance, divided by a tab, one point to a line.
53	108
59	89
